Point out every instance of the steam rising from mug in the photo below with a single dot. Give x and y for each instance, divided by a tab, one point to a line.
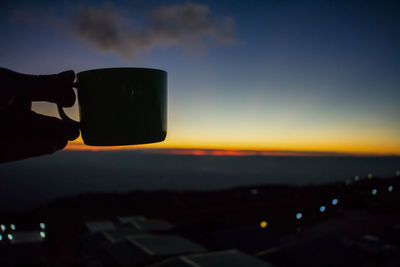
187	25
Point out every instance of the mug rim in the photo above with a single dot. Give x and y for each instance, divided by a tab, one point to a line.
124	68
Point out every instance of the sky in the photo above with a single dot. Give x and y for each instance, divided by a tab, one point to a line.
321	76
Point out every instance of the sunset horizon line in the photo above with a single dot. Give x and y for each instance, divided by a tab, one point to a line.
225	151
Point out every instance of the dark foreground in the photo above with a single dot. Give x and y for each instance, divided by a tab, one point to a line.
351	223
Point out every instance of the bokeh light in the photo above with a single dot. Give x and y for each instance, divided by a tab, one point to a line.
369	176
299	216
335	201
43	234
348	182
322	208
263	224
10	236
254	192
356	178
374	192
390	188
42	225
12	227
3	227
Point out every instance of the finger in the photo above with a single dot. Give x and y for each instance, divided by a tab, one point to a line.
7	95
31	125
51	127
56	88
25	148
6	100
37	135
19	106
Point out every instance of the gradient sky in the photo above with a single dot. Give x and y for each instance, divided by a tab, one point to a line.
300	75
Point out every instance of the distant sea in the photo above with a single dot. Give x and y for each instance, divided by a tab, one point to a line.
28	183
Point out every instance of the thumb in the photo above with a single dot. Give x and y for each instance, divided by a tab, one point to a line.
56	88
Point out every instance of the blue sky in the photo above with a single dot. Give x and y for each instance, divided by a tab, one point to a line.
303	75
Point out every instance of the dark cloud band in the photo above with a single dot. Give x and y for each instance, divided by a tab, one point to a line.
186	25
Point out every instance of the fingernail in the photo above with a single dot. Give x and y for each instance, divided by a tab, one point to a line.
68	75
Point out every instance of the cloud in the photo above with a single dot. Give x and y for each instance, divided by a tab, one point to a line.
188	26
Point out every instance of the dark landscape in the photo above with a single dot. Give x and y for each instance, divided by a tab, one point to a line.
359	224
32	182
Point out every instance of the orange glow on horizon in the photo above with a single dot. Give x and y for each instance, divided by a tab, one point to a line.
83	147
228	152
175	145
153	149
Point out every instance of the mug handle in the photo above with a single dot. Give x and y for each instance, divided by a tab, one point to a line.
64	116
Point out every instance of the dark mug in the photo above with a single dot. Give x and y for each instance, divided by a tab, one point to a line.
121	106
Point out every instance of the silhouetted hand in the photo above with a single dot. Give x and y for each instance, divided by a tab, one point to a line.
25	133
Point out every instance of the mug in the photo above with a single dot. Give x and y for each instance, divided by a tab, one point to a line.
121	106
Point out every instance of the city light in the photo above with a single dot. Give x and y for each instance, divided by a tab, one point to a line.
335	201
356	178
43	234
3	227
299	216
263	224
42	226
322	208
390	188
374	192
12	226
10	236
369	176
397	173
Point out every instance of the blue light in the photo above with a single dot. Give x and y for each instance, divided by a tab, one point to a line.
299	216
42	226
374	192
322	208
390	188
335	201
254	191
1	238
12	226
43	234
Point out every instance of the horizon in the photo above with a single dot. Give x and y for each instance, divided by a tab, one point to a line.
221	152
